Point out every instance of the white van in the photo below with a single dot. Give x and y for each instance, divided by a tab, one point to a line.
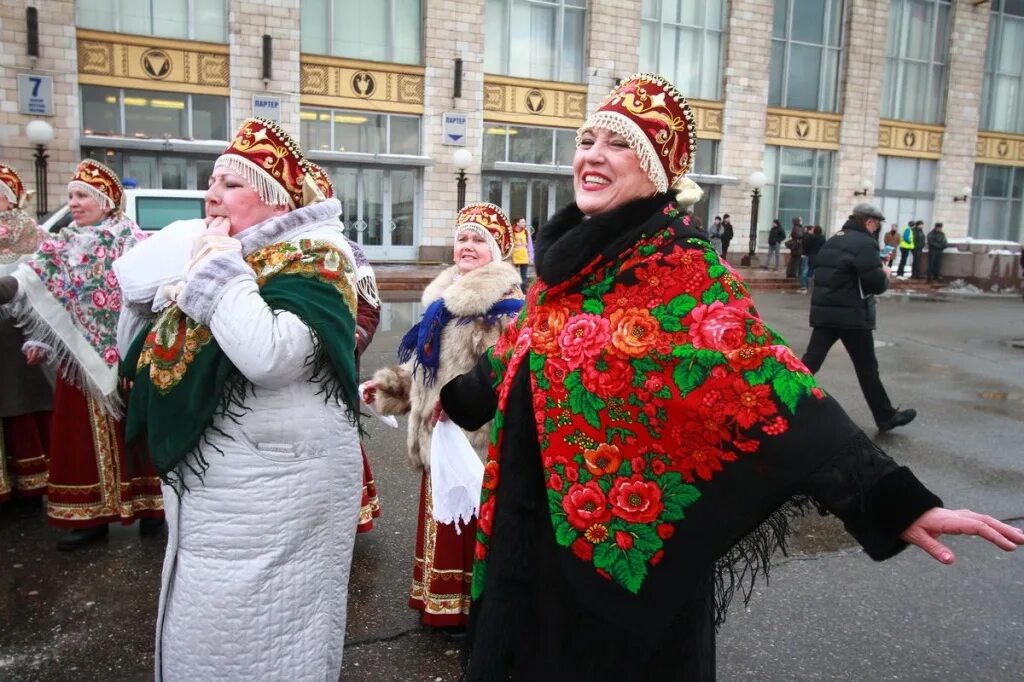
152	209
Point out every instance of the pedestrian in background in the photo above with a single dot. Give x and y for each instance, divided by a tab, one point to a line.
937	244
917	268
716	233
467	308
26	396
67	302
727	234
776	235
795	246
906	246
522	249
813	241
848	275
892	240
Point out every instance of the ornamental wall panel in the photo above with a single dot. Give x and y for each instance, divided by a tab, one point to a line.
796	128
708	117
147	63
1000	149
913	140
532	102
354	84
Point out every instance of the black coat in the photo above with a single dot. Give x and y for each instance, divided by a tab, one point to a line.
812	245
847	275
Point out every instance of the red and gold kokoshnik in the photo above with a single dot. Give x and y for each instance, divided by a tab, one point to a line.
656	121
93	175
491	218
270	160
320	178
10	184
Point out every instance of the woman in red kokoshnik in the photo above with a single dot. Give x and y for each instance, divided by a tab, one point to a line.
652	434
67	301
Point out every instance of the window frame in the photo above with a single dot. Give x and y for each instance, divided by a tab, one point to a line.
772	190
191	21
358	112
895	83
561	6
390	32
1007	202
788	42
662	26
122	120
992	59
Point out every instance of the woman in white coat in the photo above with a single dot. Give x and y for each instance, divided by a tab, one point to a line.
262	475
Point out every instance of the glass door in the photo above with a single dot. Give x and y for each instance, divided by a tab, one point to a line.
379	210
534	197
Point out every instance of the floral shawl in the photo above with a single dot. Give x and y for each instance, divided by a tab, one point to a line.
72	301
662	403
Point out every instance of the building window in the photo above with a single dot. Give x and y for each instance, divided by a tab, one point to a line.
905	188
152	170
148	114
683	40
915	63
799	186
525	144
996	203
362	132
806	48
1003	98
376	30
188	19
535	38
379	207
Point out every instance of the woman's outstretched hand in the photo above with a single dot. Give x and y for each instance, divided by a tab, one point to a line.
938	521
438	414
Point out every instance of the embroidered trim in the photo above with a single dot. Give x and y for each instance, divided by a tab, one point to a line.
638	142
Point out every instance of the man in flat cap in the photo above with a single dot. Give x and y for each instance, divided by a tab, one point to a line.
848	273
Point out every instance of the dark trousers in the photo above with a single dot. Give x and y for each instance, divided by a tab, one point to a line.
793	264
934	265
903	261
916	271
860	344
524	273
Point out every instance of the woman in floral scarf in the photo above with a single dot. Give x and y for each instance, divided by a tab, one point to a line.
68	302
651	432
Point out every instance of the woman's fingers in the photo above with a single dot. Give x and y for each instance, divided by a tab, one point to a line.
219	225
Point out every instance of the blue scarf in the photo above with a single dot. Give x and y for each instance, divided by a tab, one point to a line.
424	339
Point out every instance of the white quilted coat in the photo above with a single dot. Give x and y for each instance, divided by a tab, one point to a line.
255	578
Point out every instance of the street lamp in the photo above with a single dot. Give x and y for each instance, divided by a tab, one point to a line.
40	133
756	180
866	185
965	194
461	159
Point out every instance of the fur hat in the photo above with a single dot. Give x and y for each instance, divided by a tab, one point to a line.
99	182
492	223
648	111
272	162
11	185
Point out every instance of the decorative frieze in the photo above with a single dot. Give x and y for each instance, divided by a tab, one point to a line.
353	84
1000	149
532	102
915	140
708	116
798	128
147	63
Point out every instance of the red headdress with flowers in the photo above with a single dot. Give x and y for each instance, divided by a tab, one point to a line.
271	161
100	182
11	185
656	121
494	223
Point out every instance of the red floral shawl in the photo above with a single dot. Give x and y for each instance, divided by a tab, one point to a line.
653	378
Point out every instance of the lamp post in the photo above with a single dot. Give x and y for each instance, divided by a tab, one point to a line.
756	181
866	185
40	133
461	159
965	194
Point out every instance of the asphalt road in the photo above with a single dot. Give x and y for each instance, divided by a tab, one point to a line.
830	613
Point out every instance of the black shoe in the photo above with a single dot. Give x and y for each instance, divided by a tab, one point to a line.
80	537
455	633
28	507
898	418
150	526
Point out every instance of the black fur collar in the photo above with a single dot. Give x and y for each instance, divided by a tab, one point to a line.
569	241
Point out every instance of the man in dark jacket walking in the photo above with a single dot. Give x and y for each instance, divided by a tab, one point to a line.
727	234
848	272
937	243
917	267
795	246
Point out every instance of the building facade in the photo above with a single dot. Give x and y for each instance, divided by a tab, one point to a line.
913	104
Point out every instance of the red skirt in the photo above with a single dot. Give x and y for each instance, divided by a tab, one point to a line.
23	444
90	480
369	508
443	572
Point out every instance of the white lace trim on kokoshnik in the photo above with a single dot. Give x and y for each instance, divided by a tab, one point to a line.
637	140
263	183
